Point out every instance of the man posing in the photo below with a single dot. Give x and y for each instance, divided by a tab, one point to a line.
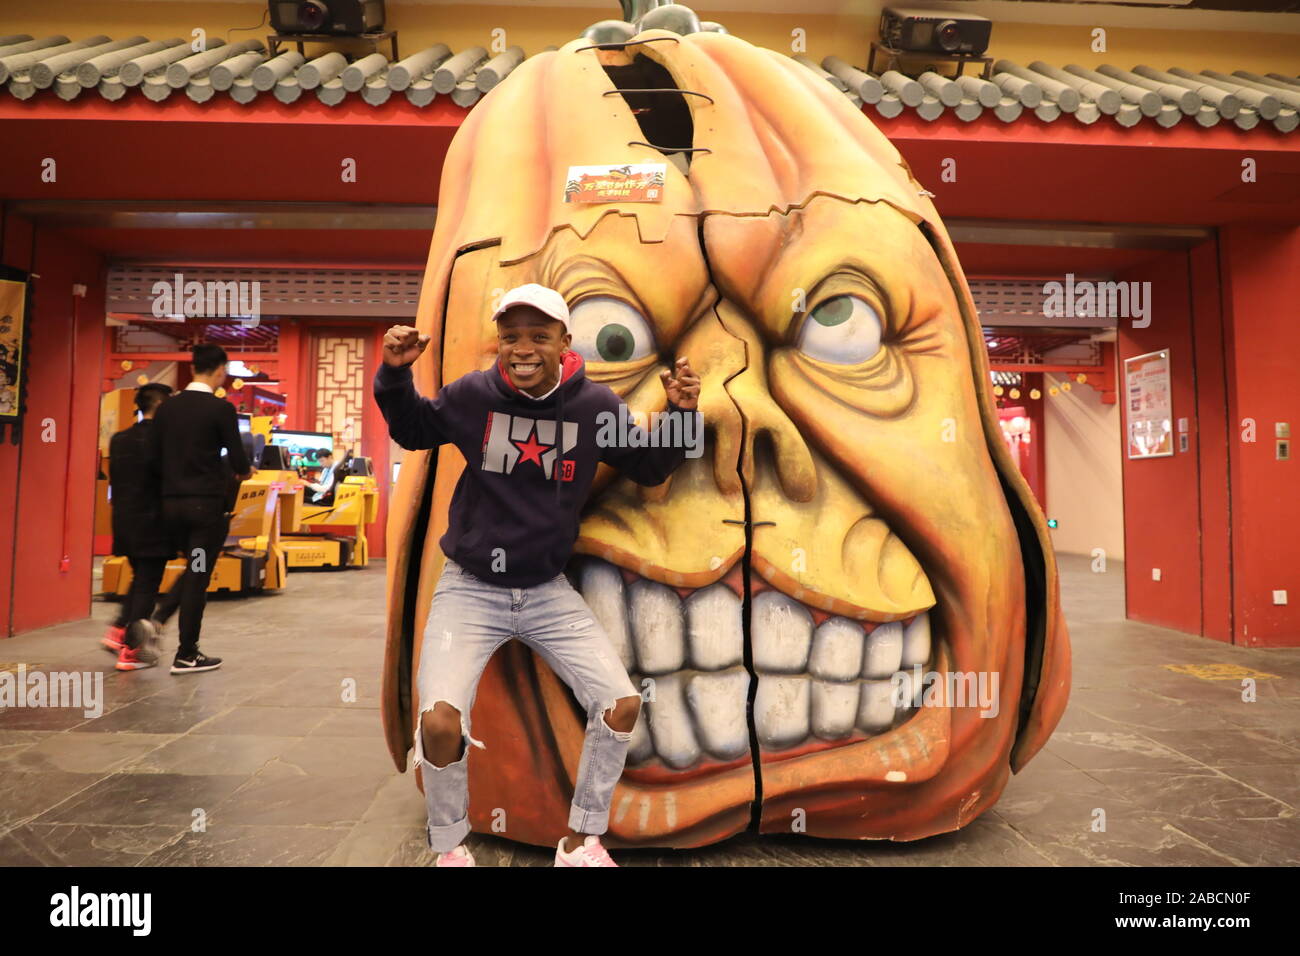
189	433
527	428
138	533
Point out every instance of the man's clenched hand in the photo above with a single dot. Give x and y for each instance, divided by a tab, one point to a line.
682	385
403	345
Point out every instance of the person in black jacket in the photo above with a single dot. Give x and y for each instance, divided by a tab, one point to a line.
138	532
189	433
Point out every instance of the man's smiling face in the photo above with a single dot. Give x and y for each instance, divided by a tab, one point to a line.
530	344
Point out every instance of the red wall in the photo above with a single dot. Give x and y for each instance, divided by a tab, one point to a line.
1161	495
47	488
1210	442
1261	268
1219	520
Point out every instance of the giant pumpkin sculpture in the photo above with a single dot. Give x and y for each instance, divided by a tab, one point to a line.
855	514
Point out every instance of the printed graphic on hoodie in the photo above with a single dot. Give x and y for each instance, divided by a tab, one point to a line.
511	440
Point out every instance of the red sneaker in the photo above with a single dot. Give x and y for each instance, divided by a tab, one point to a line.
114	639
137	658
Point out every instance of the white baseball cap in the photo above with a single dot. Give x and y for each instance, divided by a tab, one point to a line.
545	300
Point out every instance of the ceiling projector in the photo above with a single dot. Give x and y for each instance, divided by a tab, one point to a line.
934	31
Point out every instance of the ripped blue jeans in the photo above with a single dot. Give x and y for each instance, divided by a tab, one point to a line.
468	620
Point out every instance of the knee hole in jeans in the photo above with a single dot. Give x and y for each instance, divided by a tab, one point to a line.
621	716
440	732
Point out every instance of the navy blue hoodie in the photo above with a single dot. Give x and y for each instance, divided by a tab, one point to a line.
515	512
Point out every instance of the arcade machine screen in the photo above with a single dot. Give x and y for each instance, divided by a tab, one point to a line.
301	447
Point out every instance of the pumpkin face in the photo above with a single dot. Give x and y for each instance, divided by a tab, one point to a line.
854	515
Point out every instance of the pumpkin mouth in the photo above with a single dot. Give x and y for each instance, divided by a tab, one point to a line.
723	679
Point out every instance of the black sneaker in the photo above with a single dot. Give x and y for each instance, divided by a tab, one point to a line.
198	662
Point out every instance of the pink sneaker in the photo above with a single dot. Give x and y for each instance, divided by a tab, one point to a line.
460	856
135	659
591	853
114	639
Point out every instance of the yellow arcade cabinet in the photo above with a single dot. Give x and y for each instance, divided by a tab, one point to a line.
353	502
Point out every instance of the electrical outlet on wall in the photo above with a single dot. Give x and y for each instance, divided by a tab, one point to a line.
1279	597
1155	574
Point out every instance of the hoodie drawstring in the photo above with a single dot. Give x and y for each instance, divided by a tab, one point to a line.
559	437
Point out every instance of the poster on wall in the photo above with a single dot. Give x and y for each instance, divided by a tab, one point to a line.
1149	408
13	301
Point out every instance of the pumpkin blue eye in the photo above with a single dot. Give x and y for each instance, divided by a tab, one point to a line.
843	330
606	329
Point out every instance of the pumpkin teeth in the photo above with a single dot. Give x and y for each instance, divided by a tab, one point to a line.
815	684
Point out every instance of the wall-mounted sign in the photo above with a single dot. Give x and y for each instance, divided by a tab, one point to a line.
637	182
13	342
1149	405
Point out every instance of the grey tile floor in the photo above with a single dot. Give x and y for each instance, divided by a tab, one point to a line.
286	772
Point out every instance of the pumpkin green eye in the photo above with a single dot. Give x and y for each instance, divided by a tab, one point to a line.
606	329
834	311
614	342
844	330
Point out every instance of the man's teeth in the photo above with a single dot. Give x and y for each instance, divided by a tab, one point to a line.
528	369
814	682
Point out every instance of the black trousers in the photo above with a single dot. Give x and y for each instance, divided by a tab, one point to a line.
198	528
146	579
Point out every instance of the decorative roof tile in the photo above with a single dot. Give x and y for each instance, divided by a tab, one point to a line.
242	71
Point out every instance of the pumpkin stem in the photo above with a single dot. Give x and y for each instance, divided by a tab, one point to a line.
633	9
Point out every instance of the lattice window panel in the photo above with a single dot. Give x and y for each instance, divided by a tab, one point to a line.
340	387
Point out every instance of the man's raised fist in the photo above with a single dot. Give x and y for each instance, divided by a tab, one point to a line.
403	345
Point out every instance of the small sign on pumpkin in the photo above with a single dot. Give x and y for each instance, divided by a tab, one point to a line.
635	182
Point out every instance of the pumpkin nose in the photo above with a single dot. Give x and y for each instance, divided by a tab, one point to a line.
738	406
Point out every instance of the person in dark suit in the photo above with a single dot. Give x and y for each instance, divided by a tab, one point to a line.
190	433
138	533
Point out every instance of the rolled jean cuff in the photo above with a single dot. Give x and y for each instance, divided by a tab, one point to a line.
588	821
444	838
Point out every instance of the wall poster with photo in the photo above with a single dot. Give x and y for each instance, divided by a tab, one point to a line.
1148	405
13	346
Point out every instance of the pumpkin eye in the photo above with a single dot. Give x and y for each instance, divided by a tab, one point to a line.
844	330
606	329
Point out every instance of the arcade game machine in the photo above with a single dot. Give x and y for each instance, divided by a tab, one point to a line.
252	559
274	464
352	502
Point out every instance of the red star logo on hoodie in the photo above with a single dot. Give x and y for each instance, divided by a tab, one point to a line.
532	450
